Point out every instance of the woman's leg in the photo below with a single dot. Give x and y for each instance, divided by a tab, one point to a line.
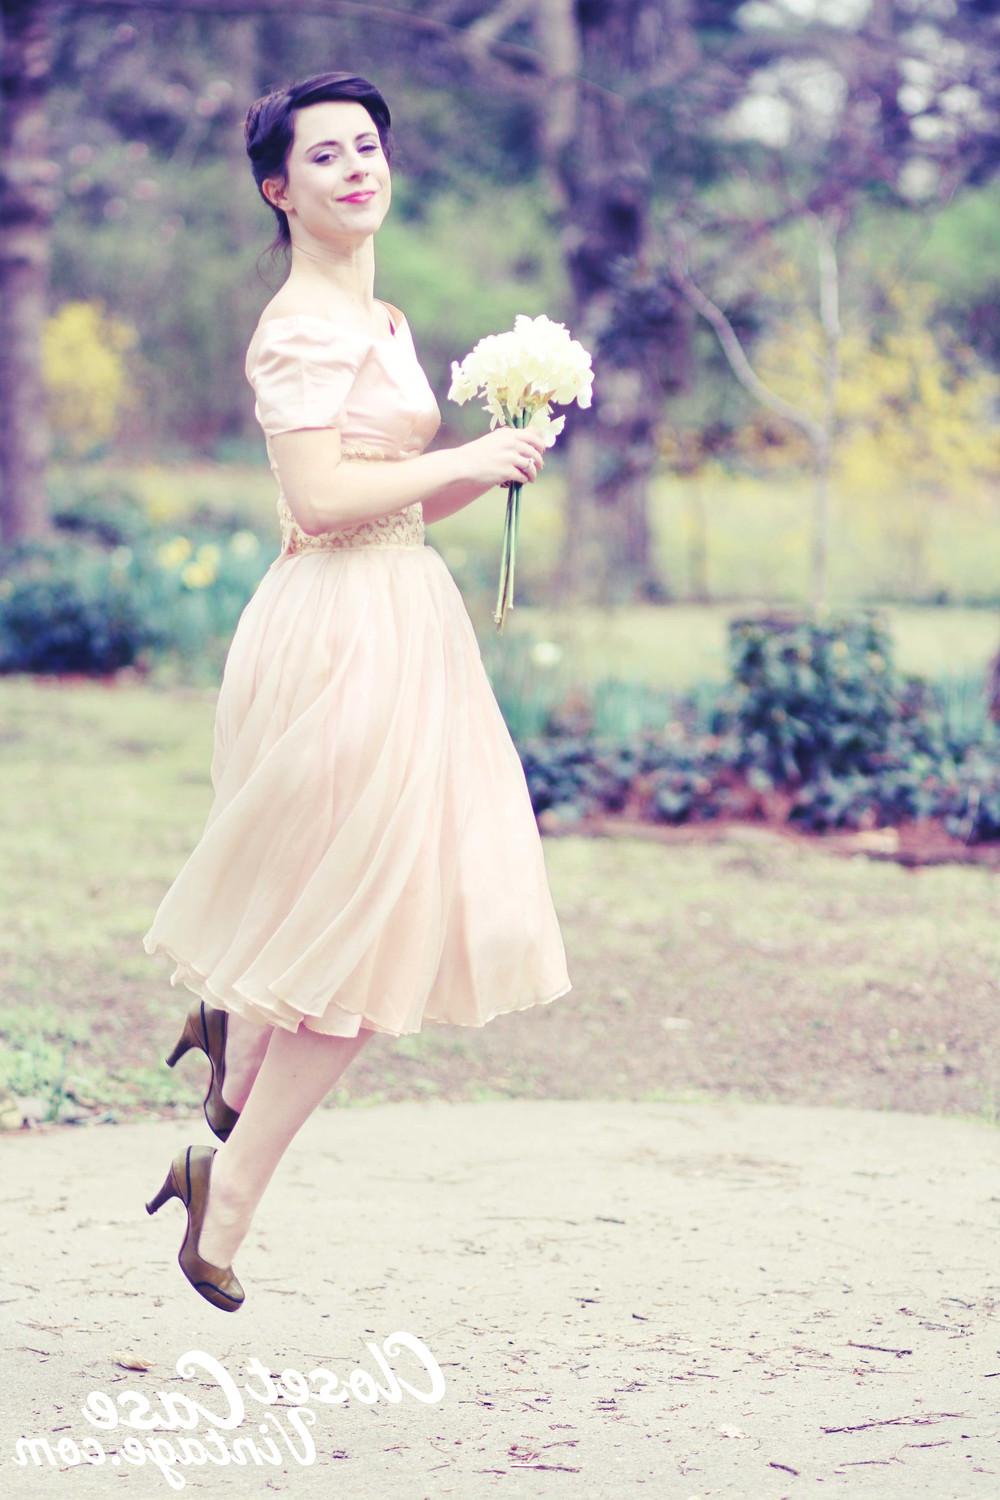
246	1043
299	1070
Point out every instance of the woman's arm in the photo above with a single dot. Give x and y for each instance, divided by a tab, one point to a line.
449	499
325	490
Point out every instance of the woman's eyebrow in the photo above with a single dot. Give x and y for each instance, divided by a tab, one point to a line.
337	143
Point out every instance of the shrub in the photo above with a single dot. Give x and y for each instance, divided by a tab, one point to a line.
814	725
811	700
74	606
70	608
110	515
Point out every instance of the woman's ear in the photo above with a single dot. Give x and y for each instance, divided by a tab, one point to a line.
278	196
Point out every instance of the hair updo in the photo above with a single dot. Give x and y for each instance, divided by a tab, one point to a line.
269	130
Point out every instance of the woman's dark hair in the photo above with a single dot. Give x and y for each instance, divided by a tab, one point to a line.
269	130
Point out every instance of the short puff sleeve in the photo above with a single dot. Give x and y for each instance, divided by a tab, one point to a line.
302	372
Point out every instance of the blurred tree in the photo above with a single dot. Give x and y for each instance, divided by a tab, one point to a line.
958	256
601	166
903	105
910	400
913	399
155	78
824	381
27	204
636	117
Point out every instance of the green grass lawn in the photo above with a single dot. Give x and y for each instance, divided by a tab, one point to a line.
757	530
760	552
679	645
751	966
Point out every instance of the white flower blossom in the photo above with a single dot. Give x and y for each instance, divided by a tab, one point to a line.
521	373
524	371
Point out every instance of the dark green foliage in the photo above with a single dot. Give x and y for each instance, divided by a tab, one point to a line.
74	606
577	773
815	717
107	513
809	700
70	609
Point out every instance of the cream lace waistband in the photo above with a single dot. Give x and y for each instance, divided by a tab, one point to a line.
401	528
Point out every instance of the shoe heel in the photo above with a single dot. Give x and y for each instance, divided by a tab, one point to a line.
187	1040
168	1190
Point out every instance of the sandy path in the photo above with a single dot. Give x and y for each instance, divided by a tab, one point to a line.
702	1299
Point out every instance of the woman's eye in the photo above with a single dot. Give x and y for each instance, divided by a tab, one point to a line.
325	156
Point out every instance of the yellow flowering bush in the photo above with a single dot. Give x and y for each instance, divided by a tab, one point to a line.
84	367
911	413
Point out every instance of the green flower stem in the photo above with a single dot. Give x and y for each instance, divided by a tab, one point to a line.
498	612
513	541
508	555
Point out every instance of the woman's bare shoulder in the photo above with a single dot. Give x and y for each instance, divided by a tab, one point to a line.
298	303
296	307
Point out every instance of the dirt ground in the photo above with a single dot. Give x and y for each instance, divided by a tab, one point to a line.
721	1222
697	1300
914	843
742	965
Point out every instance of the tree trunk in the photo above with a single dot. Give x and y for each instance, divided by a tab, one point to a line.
27	205
820	531
607	555
623	310
827	229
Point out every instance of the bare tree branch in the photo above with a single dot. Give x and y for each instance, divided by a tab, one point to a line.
470	39
732	348
488	28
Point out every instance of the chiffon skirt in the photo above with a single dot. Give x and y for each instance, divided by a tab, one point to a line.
371	857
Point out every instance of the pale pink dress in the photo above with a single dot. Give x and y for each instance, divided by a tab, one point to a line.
371	857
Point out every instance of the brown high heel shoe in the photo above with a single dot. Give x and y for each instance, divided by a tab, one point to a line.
206	1027
188	1180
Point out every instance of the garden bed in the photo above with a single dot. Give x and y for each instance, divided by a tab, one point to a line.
921	841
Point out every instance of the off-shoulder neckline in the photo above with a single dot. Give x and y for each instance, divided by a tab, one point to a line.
379	338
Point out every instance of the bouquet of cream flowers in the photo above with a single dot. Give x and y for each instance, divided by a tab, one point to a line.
521	373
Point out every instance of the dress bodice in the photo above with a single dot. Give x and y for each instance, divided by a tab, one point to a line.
306	371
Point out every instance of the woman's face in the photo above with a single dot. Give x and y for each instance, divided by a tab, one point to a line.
336	152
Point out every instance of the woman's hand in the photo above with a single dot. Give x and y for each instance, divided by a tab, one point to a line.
507	455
